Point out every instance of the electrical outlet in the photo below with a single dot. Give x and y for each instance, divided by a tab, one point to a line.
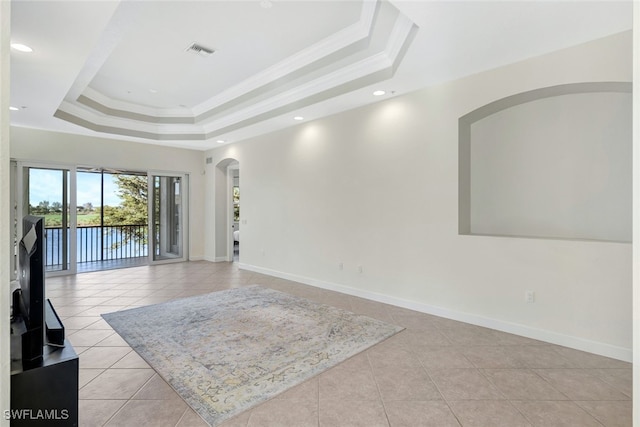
529	297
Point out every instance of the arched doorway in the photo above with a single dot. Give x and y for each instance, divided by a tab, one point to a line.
227	221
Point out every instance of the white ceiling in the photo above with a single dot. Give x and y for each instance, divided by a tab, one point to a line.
121	68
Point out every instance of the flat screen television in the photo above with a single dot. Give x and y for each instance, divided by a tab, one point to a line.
28	300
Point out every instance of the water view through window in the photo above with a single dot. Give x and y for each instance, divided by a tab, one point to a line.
111	212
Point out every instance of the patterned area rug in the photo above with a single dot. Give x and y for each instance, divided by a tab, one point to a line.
227	351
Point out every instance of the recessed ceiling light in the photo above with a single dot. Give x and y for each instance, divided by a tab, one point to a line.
379	93
153	91
221	141
298	118
21	47
14	109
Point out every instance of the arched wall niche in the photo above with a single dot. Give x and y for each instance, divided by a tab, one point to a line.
553	162
222	217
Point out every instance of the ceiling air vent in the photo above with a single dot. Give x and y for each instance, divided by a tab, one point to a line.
200	50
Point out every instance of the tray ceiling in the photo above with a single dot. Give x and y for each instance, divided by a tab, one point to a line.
125	69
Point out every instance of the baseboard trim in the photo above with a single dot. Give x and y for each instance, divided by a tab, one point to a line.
577	343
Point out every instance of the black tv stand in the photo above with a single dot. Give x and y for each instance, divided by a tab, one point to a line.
47	394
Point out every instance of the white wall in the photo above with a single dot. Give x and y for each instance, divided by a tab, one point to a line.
636	215
377	187
43	146
554	167
5	241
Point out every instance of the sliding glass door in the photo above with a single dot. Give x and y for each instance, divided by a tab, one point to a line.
112	218
98	218
47	193
167	217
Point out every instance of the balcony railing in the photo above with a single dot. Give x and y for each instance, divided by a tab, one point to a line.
96	243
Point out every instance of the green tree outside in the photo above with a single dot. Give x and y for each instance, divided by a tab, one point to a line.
132	190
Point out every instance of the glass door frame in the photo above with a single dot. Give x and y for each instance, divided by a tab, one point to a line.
22	200
184	215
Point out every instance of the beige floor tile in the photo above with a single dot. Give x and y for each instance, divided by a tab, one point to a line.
86	375
387	355
405	383
541	356
580	384
285	412
74	323
131	361
113	340
522	384
192	292
610	413
464	384
555	413
435	370
240	420
420	414
70	310
152	300
308	390
82	293
418	340
371	309
157	413
469	335
191	419
116	384
133	286
492	356
125	300
589	360
347	385
80	350
110	293
88	337
100	323
93	301
97	412
62	301
443	357
138	292
620	379
352	413
504	338
102	357
359	362
488	413
415	321
156	389
101	309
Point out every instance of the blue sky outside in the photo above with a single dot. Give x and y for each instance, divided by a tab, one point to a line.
46	184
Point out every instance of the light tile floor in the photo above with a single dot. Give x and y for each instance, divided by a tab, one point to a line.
437	372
